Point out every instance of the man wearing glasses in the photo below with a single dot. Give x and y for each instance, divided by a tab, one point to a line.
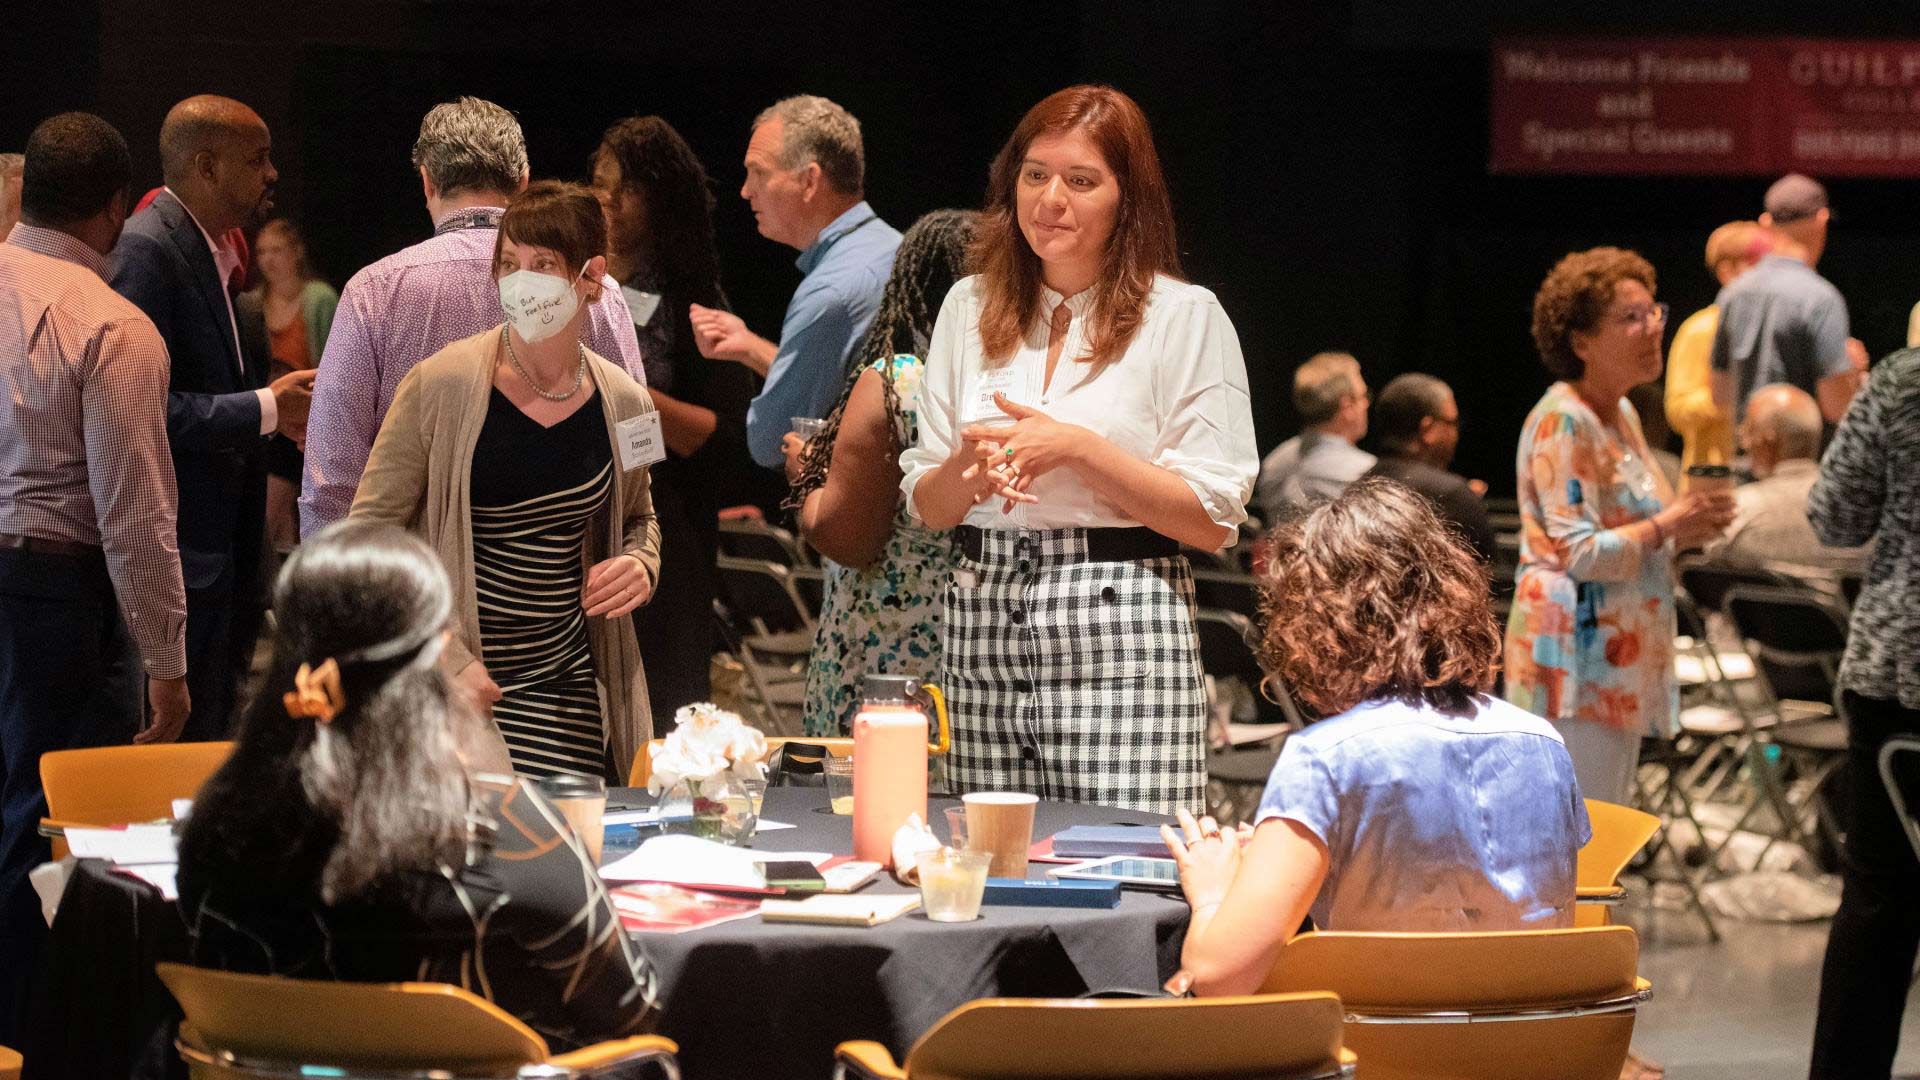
1783	323
1417	423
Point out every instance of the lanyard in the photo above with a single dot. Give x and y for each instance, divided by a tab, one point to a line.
478	217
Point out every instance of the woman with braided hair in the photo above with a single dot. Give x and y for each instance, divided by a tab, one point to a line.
887	578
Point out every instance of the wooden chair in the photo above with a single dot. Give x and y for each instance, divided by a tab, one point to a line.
1618	832
1556	1004
10	1064
117	785
1275	1037
267	1026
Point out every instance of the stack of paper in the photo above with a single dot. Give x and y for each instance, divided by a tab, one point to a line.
147	852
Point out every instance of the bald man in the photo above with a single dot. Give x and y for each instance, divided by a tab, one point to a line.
12	166
174	262
1781	435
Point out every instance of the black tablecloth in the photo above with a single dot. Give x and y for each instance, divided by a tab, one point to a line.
743	999
752	999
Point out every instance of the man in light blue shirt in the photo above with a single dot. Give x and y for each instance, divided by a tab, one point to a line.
806	170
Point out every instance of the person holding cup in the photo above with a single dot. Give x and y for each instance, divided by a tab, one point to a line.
345	839
1084	412
1589	641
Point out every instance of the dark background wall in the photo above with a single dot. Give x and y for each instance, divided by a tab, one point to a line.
1327	159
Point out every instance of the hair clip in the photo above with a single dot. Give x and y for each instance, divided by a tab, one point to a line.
316	693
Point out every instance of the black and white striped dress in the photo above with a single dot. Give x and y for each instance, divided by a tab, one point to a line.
533	491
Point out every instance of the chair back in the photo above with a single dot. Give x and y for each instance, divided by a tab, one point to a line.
1227	642
1796	637
1897	791
1709	583
1276	1037
1227	590
761	596
1618	832
115	785
1423	1005
747	538
334	1028
10	1064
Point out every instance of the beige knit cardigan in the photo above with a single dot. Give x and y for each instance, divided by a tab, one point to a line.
418	475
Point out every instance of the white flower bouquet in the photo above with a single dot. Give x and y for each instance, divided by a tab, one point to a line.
706	743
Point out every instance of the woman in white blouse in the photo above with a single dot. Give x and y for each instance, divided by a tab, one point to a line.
1084	412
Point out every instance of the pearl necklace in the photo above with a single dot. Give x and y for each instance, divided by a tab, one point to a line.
579	374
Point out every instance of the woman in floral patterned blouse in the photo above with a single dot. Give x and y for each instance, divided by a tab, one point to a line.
1590	640
886	576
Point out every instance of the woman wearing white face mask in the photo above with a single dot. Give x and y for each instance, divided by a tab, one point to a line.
522	458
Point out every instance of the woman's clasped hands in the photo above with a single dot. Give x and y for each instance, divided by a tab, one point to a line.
1008	459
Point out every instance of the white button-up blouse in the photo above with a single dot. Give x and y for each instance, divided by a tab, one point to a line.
1177	397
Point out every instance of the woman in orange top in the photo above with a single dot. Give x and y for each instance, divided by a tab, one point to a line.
298	310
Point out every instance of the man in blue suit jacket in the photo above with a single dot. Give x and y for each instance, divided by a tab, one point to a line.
175	262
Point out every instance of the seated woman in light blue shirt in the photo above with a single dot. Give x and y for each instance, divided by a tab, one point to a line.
1420	802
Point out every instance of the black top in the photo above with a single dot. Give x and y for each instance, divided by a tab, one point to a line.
524	922
1449	494
517	459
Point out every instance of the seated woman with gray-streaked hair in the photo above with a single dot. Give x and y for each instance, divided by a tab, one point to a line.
344	839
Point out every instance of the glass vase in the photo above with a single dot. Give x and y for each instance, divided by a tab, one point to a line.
717	808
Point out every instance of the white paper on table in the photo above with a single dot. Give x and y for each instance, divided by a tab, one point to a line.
763	825
159	875
49	881
647	816
132	845
687	860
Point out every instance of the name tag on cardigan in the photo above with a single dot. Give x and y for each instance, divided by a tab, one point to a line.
641	443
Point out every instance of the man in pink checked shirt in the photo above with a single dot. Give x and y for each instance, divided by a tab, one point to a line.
90	584
472	161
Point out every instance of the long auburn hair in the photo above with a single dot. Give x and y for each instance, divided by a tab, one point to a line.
1142	244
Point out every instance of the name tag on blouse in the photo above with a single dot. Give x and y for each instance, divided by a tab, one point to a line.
1009	380
641	443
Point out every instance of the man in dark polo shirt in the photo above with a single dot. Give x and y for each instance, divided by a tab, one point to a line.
1418	427
1783	323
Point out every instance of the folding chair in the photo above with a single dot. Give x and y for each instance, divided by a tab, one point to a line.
10	1064
1797	639
119	785
769	626
752	538
1554	1004
1269	1037
1237	773
1889	750
270	1026
1619	832
1226	590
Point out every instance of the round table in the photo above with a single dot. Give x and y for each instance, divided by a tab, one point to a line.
743	999
754	999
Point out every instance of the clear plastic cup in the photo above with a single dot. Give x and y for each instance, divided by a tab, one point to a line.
807	427
839	774
952	884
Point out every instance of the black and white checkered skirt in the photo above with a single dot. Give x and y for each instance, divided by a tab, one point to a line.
1072	679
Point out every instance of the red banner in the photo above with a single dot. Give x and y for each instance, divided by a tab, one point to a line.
1706	106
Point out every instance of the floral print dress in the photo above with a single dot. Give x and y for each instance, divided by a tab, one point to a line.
1591	632
883	619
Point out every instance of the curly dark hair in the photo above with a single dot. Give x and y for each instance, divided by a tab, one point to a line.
1574	296
931	258
658	164
1372	596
